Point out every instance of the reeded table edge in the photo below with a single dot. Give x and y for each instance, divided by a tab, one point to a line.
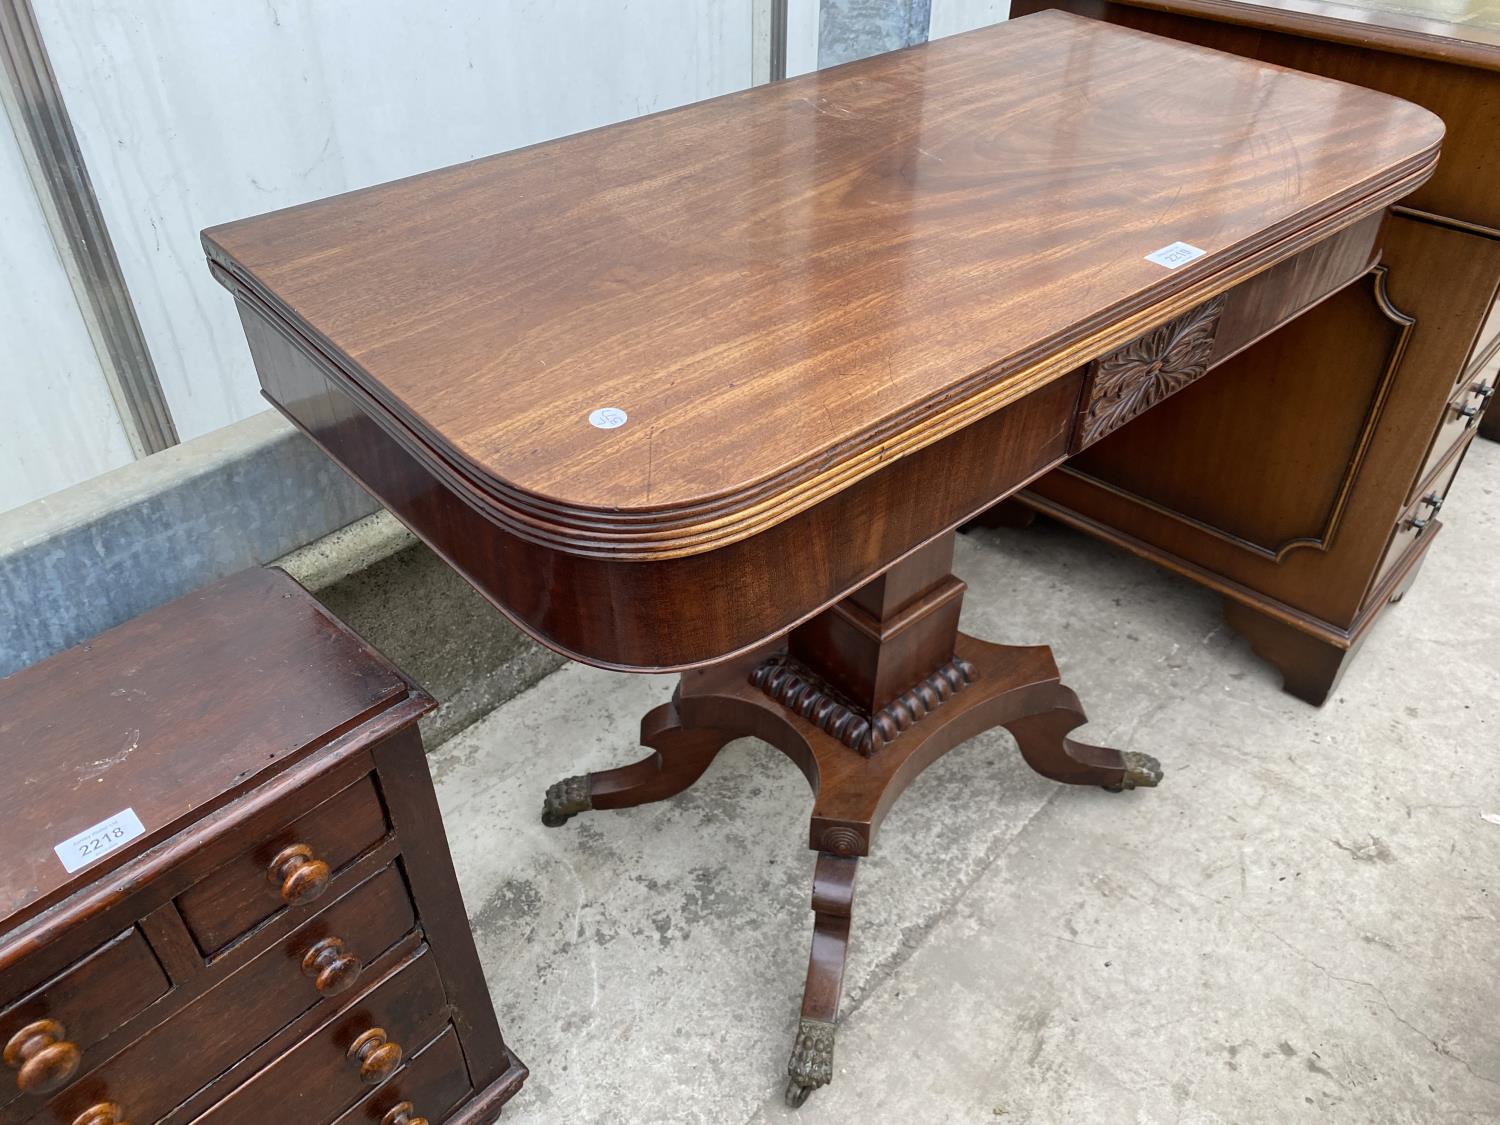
717	521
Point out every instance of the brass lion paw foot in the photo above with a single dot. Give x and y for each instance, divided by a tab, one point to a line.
1142	771
811	1064
566	799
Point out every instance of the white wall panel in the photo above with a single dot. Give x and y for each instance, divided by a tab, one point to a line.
194	112
801	36
949	17
59	424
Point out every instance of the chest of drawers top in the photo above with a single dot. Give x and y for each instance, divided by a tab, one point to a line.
170	717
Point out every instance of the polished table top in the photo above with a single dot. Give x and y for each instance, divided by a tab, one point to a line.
784	289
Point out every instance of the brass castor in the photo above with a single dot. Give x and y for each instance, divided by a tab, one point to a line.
796	1093
811	1064
1142	771
565	799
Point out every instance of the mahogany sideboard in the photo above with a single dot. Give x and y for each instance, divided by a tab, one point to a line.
709	391
227	897
1303	480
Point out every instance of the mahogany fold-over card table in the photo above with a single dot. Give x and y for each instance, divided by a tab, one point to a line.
709	391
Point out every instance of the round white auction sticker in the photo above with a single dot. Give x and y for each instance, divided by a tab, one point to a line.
607	418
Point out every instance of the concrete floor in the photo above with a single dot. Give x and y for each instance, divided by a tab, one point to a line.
1300	925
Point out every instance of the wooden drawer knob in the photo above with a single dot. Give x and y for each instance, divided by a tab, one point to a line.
403	1113
105	1113
333	968
298	874
377	1056
43	1057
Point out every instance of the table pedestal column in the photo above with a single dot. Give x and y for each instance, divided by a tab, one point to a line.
862	697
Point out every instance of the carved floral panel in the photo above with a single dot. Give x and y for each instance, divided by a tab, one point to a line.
1137	376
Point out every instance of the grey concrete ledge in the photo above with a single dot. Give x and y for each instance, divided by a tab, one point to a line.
348	551
393	591
85	559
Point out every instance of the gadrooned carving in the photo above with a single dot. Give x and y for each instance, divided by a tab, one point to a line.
1134	378
801	691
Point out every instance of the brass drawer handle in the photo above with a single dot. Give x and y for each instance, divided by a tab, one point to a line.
377	1056
333	968
105	1113
403	1113
42	1056
298	874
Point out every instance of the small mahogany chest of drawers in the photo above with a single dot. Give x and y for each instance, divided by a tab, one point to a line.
226	895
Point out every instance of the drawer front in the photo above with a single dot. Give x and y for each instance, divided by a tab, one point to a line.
330	1070
1134	378
1460	418
47	1034
203	1040
288	870
1484	379
1418	517
1489	337
430	1086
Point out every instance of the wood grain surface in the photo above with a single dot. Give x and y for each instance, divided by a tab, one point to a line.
787	288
